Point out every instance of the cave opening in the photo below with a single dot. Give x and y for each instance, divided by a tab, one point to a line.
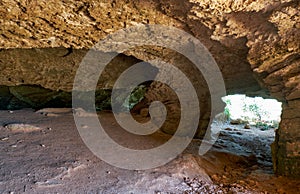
248	126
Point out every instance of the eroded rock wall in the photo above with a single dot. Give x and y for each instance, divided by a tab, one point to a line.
270	30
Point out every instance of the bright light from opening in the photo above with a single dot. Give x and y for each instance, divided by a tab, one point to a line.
242	107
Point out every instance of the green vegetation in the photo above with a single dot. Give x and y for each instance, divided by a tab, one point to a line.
226	109
137	95
251	110
255	110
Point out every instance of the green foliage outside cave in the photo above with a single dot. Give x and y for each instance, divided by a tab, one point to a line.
253	111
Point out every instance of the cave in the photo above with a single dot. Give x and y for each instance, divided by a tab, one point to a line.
245	47
249	124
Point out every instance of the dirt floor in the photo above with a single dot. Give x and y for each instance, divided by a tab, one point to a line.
42	152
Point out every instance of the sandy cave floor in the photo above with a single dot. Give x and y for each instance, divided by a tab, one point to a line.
43	153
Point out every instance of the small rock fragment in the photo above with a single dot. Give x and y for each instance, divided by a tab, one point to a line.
20	127
247	126
51	115
85	126
54	111
235	121
215	177
144	112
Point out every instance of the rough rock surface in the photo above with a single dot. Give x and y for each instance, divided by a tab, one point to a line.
246	38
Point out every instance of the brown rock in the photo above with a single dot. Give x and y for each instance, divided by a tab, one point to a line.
144	112
247	126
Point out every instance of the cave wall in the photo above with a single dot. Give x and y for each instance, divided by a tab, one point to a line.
255	44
